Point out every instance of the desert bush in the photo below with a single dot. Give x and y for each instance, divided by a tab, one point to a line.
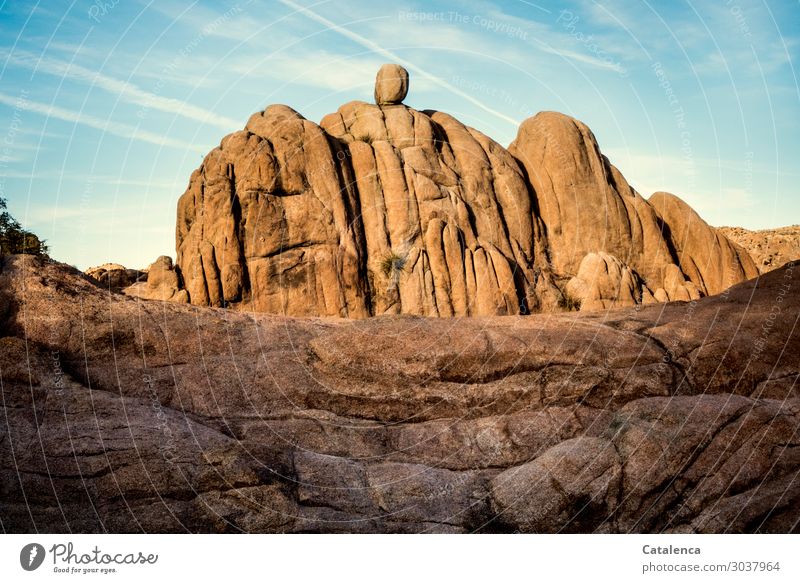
14	239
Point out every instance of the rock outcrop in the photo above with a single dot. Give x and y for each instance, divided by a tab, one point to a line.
383	209
163	283
603	282
705	256
584	202
769	248
115	277
161	417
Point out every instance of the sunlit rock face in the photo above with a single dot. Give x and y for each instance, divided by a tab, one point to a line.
383	209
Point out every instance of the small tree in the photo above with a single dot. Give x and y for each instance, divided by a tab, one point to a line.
15	239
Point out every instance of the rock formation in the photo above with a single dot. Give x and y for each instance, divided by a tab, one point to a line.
391	85
115	277
602	282
383	209
163	283
769	248
161	417
705	256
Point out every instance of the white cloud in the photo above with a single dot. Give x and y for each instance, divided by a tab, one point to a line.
586	59
126	91
106	179
378	49
233	24
111	127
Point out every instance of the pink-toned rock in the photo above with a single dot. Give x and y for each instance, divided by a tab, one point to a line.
172	418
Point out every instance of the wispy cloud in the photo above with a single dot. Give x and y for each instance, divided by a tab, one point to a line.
315	68
234	24
582	58
104	125
378	49
127	92
102	179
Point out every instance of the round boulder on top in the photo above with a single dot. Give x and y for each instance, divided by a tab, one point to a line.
391	85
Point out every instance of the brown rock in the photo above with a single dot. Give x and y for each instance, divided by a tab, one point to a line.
603	282
585	203
572	487
391	85
269	221
163	283
115	277
706	256
379	211
621	421
385	210
769	248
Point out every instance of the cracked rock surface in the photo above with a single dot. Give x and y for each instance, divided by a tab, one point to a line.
126	415
381	209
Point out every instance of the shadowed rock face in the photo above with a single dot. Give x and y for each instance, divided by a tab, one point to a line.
128	416
383	209
705	255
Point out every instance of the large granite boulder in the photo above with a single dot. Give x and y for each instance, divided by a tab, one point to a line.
391	85
383	209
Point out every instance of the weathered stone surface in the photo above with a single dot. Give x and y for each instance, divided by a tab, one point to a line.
769	248
270	220
587	207
602	282
584	202
163	283
391	84
573	486
382	209
705	256
621	421
115	277
449	228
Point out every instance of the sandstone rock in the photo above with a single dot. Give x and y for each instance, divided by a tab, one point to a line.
163	283
391	85
620	421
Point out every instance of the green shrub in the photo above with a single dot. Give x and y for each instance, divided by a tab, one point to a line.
365	138
392	265
14	239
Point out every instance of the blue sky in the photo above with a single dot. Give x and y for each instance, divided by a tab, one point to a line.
106	107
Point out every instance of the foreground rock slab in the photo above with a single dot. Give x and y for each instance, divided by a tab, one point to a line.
125	415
